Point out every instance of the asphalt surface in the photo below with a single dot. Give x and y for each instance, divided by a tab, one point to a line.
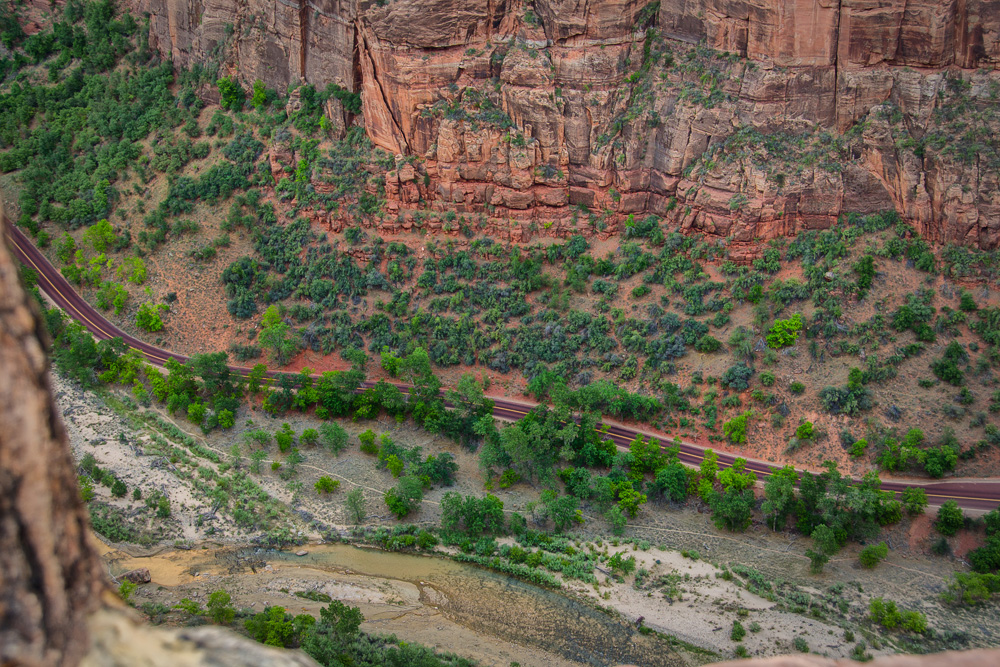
971	494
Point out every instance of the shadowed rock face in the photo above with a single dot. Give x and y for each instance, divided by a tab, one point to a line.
617	104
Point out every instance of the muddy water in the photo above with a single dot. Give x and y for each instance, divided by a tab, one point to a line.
496	605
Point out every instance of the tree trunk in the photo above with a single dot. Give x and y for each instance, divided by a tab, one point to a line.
50	575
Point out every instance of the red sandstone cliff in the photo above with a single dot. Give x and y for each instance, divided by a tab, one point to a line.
526	113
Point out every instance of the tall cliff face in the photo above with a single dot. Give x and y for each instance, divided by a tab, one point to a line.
739	118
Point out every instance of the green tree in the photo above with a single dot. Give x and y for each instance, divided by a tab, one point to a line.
355	504
101	236
395	465
231	94
259	97
257	457
779	496
563	511
148	317
914	500
255	378
629	500
825	539
285	437
784	332
326	484
949	518
332	437
309	437
405	497
873	554
616	519
272	626
864	268
817	560
671	480
276	337
736	428
220	609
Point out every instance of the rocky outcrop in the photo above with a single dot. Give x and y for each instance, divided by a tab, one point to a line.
739	118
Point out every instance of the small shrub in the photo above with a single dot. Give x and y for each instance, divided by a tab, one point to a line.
326	484
738	632
801	645
873	554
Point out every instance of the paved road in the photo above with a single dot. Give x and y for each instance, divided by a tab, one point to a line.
971	494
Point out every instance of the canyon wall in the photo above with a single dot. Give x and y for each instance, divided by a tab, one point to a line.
745	119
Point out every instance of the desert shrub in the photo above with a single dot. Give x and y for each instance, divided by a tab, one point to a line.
326	484
736	428
784	333
738	376
873	554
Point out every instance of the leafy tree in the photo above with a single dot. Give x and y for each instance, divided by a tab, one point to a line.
259	97
616	520
276	337
332	437
562	510
101	236
133	270
326	484
148	317
472	516
273	627
285	437
355	504
817	560
804	431
946	368
367	439
738	376
914	500
864	268
949	518
405	496
736	428
732	509
873	554
779	496
310	437
646	454
784	332
231	94
671	480
629	500
220	609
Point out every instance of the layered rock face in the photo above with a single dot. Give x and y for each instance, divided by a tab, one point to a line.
745	119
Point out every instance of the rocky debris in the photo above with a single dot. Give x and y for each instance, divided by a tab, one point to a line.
137	576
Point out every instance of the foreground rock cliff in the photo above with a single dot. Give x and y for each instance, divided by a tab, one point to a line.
749	119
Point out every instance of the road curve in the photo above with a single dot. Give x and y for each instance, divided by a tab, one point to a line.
971	494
